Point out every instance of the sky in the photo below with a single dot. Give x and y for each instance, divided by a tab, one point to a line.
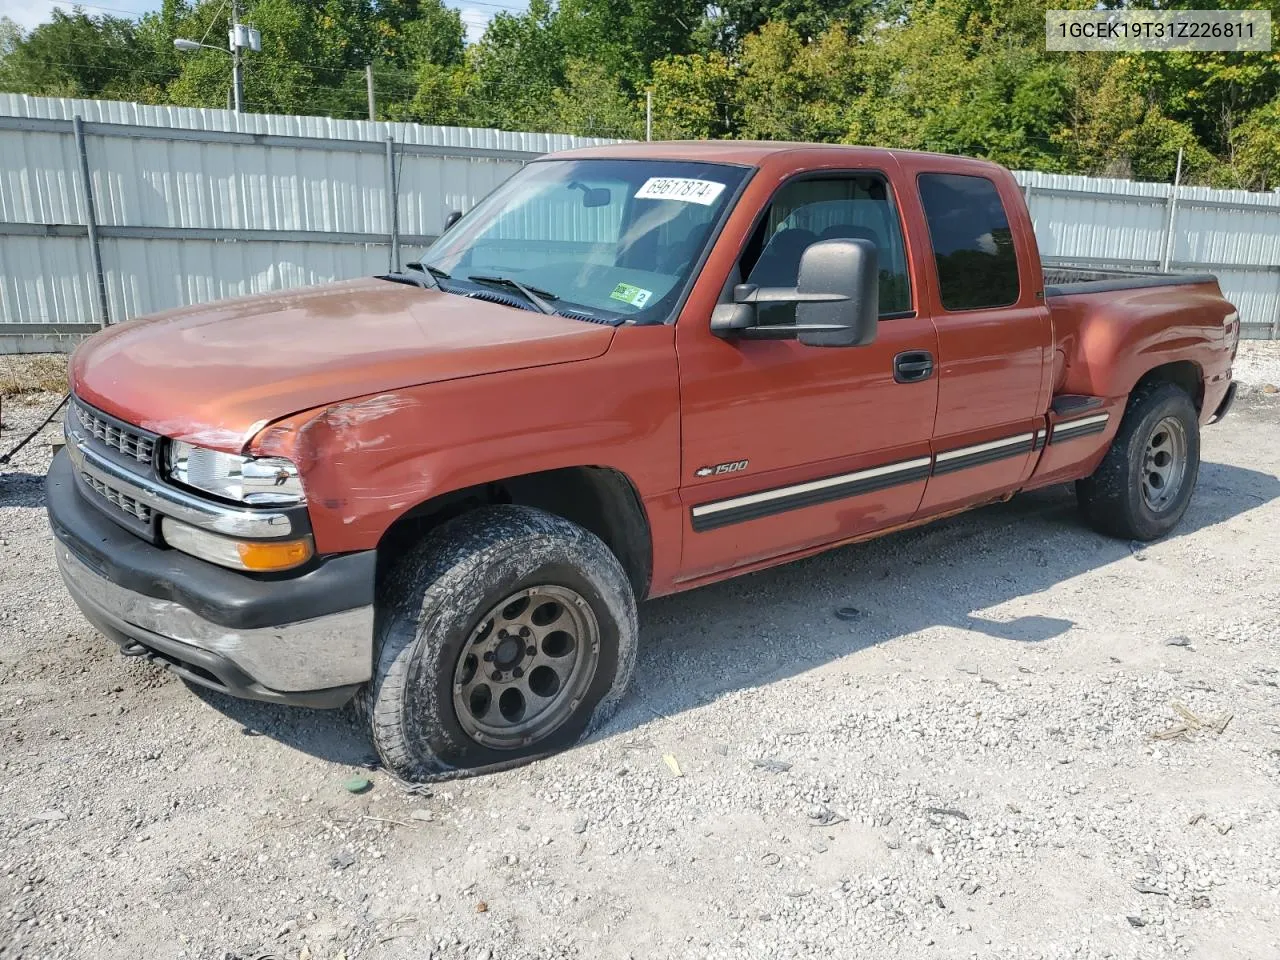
29	13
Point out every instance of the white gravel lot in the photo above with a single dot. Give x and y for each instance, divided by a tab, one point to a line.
1257	364
961	766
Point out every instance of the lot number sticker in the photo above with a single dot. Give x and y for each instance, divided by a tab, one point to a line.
636	296
683	189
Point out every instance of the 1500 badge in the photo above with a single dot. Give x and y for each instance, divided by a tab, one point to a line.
721	468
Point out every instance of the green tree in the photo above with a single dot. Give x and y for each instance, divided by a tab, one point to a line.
441	95
418	73
729	23
693	97
793	90
10	37
77	55
964	78
435	35
518	65
627	36
156	32
1216	96
1113	129
959	76
592	103
1256	149
279	79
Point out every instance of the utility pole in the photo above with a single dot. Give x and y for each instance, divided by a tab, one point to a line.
238	37
1169	234
368	83
648	114
237	75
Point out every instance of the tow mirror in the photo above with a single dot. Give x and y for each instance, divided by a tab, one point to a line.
837	299
451	219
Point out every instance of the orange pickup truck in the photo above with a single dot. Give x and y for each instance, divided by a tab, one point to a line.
629	371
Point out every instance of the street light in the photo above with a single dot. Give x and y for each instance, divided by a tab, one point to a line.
190	45
239	37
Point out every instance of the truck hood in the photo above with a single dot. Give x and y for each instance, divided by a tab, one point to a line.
216	374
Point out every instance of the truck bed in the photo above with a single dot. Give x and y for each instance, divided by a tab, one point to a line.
1065	280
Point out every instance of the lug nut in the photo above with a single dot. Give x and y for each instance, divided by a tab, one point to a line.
524	631
517	673
502	634
531	651
496	675
488	655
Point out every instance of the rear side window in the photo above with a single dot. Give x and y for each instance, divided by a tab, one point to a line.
972	242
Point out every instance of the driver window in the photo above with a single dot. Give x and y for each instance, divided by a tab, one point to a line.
807	211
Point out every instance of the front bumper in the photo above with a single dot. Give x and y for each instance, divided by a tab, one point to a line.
305	639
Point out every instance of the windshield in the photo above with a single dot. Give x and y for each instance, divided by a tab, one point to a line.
610	238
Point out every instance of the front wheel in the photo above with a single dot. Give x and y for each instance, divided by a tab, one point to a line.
507	634
1144	484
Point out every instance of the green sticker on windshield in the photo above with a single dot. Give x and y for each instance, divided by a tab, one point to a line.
636	296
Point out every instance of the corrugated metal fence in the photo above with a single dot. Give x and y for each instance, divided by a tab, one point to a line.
190	205
1234	234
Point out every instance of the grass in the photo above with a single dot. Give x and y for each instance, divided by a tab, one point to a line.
33	373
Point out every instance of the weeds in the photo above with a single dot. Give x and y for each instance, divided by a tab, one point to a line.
33	373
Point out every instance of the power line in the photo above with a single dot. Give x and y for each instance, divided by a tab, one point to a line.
135	15
213	20
377	68
132	14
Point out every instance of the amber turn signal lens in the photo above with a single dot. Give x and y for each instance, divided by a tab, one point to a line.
265	557
259	556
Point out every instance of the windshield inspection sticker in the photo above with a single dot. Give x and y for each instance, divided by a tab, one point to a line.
680	188
636	296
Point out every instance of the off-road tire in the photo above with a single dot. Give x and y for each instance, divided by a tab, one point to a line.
1111	500
432	600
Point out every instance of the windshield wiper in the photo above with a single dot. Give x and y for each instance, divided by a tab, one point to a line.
429	269
532	294
424	275
423	280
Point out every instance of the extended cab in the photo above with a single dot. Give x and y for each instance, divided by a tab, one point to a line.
629	371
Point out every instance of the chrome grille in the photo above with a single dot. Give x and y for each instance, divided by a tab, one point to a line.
117	499
128	442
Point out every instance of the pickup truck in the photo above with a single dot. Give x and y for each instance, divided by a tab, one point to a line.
629	371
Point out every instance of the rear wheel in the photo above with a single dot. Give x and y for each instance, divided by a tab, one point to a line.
1144	484
507	634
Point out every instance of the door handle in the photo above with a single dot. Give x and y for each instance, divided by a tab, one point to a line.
912	366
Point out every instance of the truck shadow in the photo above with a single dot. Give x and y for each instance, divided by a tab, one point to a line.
759	628
699	646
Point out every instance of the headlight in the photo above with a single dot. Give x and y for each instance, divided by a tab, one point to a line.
261	481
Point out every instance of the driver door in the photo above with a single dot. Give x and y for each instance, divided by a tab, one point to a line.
785	446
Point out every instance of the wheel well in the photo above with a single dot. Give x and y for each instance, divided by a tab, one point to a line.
1181	373
598	499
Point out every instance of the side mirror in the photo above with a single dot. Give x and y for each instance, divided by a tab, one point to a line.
837	299
451	219
849	271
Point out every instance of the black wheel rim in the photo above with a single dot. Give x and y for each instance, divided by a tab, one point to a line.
526	667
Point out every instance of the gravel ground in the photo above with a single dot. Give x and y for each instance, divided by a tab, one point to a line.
1258	364
935	745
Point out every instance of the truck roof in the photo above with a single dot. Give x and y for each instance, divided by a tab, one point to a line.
752	153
